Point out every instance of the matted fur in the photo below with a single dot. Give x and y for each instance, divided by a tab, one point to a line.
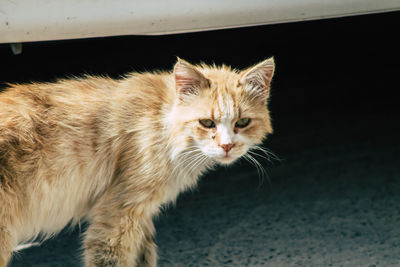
113	152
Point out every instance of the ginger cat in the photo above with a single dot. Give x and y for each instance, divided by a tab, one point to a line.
112	152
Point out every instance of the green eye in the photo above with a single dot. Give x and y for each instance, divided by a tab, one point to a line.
207	123
241	123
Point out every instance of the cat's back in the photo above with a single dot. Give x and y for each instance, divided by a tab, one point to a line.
23	121
81	98
35	99
62	102
74	116
35	119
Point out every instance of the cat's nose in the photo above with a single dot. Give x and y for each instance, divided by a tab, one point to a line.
227	147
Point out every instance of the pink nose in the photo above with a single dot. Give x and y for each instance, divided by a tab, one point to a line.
227	147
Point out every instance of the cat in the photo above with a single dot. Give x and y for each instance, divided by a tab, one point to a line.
113	151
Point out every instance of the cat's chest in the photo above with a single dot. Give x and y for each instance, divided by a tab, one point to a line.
180	181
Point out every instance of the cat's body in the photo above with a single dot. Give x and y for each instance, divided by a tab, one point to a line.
113	152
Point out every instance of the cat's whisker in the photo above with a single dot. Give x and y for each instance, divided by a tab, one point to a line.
203	159
252	163
262	173
196	162
268	153
25	246
255	154
188	151
186	159
255	164
184	154
260	170
182	163
259	155
190	161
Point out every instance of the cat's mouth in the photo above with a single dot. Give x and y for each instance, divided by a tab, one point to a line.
222	157
228	158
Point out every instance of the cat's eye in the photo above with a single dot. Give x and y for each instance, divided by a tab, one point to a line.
241	123
207	123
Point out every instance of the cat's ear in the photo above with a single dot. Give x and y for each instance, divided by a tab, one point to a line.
257	79
188	80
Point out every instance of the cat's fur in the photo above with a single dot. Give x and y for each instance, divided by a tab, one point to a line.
113	151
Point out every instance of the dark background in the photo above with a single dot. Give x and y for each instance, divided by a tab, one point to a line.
335	63
333	199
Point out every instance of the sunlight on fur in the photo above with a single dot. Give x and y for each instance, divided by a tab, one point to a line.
112	152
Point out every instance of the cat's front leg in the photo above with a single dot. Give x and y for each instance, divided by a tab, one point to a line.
148	253
7	243
120	241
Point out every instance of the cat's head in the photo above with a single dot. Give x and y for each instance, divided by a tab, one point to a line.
222	112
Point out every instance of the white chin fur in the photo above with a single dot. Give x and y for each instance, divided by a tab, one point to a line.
226	160
219	156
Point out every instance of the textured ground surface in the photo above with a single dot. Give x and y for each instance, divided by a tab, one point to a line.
332	201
